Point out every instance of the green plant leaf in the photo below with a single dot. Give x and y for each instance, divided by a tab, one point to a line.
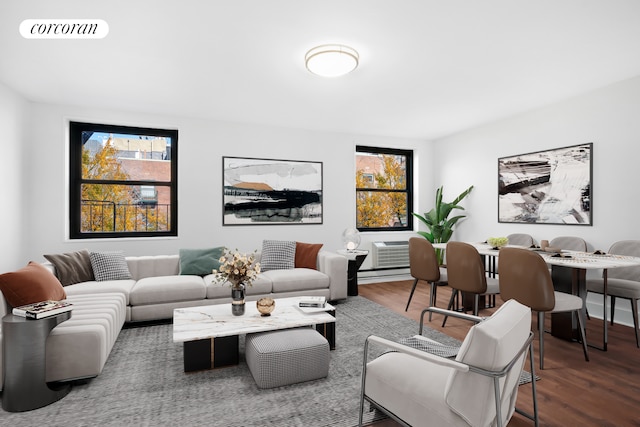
426	235
437	219
462	195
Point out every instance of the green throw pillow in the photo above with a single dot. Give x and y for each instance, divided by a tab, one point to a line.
200	262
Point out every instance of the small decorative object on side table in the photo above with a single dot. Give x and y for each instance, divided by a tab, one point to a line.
24	354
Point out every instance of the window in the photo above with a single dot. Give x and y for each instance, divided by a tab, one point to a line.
123	181
384	198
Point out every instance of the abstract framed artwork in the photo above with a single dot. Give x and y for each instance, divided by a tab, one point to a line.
269	191
547	187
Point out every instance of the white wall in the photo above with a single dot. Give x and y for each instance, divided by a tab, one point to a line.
608	117
202	143
13	111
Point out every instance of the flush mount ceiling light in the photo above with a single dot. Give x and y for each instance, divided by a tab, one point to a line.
331	60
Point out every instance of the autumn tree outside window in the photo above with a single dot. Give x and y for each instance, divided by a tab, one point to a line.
384	195
123	181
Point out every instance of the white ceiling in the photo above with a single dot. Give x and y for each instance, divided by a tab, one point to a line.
428	68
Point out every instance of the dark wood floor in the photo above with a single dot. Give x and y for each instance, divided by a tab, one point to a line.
572	392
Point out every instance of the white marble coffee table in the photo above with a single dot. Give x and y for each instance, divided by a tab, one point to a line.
210	334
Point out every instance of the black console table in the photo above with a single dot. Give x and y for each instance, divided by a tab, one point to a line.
356	258
25	387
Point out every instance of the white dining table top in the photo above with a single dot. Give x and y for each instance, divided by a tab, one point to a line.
574	259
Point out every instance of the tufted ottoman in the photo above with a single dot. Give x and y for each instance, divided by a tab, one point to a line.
287	356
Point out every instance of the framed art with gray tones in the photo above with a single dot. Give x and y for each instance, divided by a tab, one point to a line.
547	187
269	191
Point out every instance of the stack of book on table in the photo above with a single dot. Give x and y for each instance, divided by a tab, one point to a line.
42	309
313	302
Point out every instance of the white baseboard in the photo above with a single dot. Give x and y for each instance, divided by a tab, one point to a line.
623	314
365	277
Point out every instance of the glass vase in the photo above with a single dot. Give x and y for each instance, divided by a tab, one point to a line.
237	300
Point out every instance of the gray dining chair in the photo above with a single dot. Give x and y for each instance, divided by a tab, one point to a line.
569	243
423	265
622	282
521	239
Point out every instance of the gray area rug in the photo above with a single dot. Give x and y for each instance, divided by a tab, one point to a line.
143	383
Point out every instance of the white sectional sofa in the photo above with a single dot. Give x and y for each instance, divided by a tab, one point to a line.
79	347
157	287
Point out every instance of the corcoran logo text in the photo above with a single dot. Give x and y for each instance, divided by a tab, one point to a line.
64	29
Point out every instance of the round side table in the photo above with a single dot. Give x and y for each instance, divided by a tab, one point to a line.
25	386
356	258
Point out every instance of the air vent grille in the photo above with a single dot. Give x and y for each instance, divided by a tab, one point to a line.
390	254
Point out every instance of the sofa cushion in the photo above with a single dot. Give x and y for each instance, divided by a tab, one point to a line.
79	347
278	255
153	265
307	255
261	286
72	267
200	261
297	279
94	288
154	290
30	284
109	266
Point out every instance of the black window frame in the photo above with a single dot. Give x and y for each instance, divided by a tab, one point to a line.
408	154
76	180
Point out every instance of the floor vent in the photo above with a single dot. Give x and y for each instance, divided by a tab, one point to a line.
390	254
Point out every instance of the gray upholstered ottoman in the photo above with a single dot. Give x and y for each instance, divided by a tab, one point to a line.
287	356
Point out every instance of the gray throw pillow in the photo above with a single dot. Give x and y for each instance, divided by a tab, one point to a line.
200	262
72	267
109	266
278	255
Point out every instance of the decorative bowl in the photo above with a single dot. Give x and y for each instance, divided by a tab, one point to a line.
497	242
265	306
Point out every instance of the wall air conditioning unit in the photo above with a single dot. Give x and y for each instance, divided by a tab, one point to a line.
390	254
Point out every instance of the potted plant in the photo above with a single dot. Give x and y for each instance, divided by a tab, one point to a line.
438	222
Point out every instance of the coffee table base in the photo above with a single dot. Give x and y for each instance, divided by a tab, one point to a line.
211	353
220	352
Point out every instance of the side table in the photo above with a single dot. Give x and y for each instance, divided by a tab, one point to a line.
356	258
24	354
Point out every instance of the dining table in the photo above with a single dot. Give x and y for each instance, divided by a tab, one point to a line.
568	274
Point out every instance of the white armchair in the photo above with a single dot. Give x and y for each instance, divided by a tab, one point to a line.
478	388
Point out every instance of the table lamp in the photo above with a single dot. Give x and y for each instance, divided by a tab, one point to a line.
351	239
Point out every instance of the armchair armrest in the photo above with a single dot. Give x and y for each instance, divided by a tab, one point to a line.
459	315
442	361
334	266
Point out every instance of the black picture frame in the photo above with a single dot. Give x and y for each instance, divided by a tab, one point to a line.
547	187
271	191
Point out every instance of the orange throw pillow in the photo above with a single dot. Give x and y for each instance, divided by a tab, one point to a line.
307	255
30	284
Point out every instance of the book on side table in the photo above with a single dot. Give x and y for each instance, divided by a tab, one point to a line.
42	309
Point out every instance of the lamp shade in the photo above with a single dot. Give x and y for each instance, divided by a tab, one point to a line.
331	60
351	239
